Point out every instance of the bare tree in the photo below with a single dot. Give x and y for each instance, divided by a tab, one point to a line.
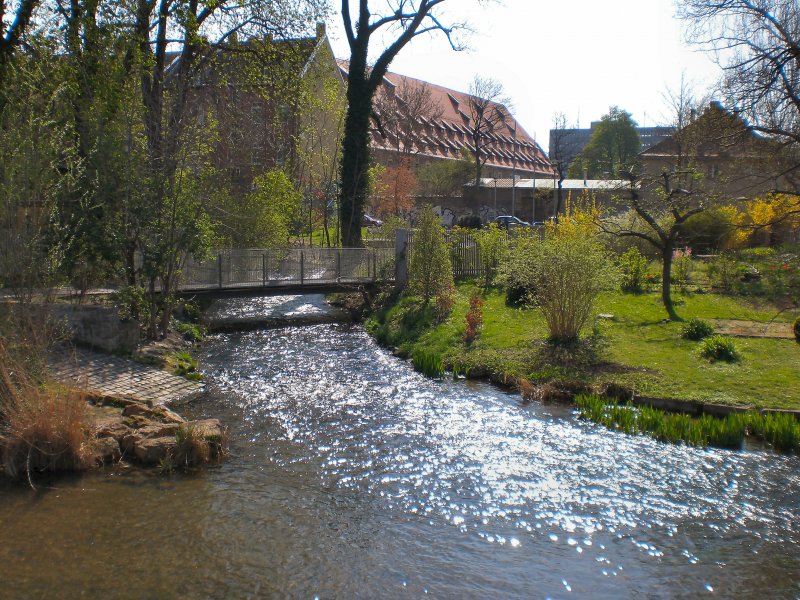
757	44
398	113
487	115
660	203
403	20
563	150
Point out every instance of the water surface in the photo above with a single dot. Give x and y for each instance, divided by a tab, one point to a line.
353	476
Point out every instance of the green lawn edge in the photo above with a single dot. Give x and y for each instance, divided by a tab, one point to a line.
643	352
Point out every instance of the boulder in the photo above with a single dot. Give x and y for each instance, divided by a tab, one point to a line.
152	451
115	430
107	450
161	413
158	430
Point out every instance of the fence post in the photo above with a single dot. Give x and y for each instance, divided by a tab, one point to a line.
401	258
219	267
264	269
302	266
338	265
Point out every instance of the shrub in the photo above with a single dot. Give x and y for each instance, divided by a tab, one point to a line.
430	273
719	347
796	329
633	268
191	331
184	365
470	222
564	272
682	266
492	243
130	302
696	329
474	319
722	272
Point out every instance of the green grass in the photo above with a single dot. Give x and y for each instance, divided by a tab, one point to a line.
645	353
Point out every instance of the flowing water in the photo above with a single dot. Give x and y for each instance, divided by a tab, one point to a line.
353	476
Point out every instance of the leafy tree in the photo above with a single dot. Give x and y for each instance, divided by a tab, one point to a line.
613	146
394	192
404	21
444	177
270	210
430	273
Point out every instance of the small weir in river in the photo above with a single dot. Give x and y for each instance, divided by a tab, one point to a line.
351	475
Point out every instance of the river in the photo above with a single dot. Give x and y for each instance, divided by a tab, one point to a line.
351	475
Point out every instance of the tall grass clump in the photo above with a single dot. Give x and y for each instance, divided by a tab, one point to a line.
194	446
40	429
696	329
719	347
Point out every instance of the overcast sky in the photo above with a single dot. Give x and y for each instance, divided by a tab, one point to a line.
578	57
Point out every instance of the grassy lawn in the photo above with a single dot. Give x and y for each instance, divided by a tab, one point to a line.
643	352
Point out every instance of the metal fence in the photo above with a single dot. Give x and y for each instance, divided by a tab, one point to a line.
274	267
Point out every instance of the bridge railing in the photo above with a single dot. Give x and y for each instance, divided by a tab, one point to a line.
255	267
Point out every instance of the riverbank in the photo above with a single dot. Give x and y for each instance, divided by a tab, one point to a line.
99	409
635	353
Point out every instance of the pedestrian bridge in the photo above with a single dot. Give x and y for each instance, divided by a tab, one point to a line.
256	271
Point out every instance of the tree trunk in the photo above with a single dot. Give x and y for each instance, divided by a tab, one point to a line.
355	156
666	280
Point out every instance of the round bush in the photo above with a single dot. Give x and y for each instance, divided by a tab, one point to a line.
796	328
696	329
718	347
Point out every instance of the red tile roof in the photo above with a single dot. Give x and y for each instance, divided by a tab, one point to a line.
448	134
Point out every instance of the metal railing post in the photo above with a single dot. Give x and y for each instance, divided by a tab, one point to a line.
219	267
338	265
263	269
302	266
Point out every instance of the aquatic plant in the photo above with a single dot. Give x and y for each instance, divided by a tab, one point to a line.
429	363
781	430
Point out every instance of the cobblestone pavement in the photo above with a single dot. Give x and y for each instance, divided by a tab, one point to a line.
114	375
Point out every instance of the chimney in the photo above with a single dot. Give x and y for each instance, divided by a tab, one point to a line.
320	30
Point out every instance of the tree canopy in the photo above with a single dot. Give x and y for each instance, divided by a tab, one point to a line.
613	146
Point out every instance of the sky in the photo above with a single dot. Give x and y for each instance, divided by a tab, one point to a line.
577	57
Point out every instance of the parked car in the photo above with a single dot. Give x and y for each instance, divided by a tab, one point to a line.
368	221
509	222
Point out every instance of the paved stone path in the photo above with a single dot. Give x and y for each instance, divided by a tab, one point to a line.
114	375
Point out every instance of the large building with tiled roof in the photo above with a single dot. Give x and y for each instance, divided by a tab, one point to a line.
443	131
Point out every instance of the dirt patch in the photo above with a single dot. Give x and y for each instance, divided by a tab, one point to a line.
756	329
